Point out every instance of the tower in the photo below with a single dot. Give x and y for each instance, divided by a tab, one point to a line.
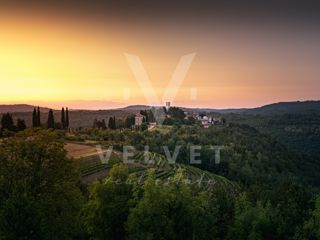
168	105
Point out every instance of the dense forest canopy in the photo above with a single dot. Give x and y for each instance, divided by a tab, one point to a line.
261	187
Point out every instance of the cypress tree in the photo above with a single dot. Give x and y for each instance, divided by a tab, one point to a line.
95	123
67	118
103	124
110	123
129	122
114	123
63	119
34	118
38	118
51	119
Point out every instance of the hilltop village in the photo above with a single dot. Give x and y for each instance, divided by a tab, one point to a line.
146	119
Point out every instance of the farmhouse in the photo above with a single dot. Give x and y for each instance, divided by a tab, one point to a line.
138	119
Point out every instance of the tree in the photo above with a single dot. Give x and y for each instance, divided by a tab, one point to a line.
7	122
35	118
145	114
150	218
99	124
103	124
144	126
292	201
129	122
205	217
95	123
21	125
151	117
63	119
67	118
38	117
312	226
38	188
223	121
108	208
165	211
176	113
112	123
252	222
50	120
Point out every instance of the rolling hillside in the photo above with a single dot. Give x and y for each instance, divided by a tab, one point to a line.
85	118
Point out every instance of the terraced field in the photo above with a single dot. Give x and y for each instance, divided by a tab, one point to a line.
165	171
92	168
88	158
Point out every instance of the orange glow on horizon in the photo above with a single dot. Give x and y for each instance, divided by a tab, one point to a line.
43	59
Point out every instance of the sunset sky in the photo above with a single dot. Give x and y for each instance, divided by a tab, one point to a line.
75	56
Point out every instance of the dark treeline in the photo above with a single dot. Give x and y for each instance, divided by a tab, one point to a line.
278	197
36	117
7	122
99	124
63	124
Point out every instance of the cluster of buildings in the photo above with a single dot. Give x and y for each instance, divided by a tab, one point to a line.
205	120
139	118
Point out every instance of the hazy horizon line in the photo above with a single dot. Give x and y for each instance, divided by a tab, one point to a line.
43	104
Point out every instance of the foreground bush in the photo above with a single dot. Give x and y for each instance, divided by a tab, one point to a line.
38	188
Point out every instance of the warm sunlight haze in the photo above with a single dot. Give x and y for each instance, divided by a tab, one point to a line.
48	60
160	120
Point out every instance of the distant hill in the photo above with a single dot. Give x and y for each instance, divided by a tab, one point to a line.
19	108
145	107
135	108
275	108
286	108
227	110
